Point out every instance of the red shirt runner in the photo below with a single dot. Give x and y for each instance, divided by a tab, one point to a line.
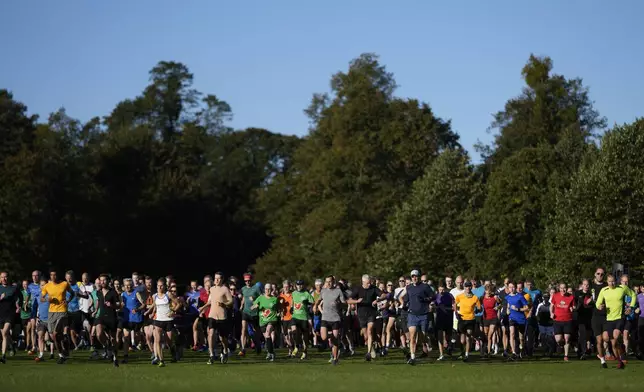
489	313
562	304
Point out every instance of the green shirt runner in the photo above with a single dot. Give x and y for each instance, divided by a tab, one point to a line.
25	314
267	307
614	300
250	294
301	302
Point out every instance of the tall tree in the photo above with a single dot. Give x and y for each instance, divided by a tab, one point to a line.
365	149
424	232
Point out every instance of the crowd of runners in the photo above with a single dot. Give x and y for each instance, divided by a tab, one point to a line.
45	315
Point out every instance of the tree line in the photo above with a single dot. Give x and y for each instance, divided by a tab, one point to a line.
380	184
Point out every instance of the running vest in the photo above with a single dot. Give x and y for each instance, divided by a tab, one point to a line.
163	312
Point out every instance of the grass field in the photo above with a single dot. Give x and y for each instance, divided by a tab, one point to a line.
252	373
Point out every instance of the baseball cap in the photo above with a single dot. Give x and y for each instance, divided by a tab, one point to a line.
248	276
415	273
468	284
299	282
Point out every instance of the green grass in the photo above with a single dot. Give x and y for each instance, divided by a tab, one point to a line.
252	373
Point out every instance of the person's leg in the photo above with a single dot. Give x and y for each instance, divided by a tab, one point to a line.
6	337
158	347
244	333
211	342
512	339
412	341
566	344
615	343
369	337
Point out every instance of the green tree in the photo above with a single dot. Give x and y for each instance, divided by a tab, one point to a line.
365	149
424	232
600	219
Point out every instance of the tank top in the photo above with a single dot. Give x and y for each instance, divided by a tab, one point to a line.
163	312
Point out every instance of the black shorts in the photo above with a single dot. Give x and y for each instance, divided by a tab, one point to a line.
445	323
378	325
610	326
505	321
562	327
366	315
130	326
401	323
287	323
87	317
465	325
75	321
6	319
273	323
630	326
109	324
488	323
165	326
301	325
518	326
221	326
597	324
332	325
250	319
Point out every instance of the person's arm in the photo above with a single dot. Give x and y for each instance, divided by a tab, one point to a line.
633	296
316	304
43	294
241	304
552	309
525	306
151	309
401	296
354	298
255	303
140	299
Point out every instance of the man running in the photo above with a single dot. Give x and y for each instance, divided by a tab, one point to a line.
250	316
56	294
42	316
192	299
532	325
220	299
611	299
444	304
365	298
517	306
9	296
85	304
330	299
419	296
75	317
562	305
109	303
131	320
34	298
286	305
466	305
599	315
300	328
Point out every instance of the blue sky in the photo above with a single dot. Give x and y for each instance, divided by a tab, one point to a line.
266	58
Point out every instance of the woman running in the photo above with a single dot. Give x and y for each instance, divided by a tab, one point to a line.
491	305
267	304
162	310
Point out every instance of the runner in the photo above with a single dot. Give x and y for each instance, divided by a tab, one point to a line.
42	314
491	305
267	305
583	300
401	313
131	320
192	299
220	299
162	312
301	301
466	305
250	316
532	325
146	296
444	304
599	315
109	303
365	298
34	298
75	324
611	299
9	296
286	305
517	305
419	297
630	324
25	314
56	293
561	307
456	291
330	299
85	305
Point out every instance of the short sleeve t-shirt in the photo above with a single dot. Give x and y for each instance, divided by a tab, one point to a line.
562	304
267	307
25	314
368	295
73	304
108	303
219	294
250	294
466	306
489	307
301	302
516	301
57	293
331	300
85	303
286	301
203	299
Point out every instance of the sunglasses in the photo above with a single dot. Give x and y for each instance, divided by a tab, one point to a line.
390	285
401	281
599	274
